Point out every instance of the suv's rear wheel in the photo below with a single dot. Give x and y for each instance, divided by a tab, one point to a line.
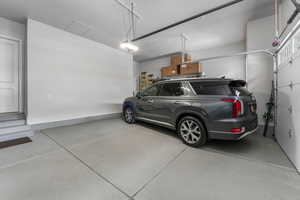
192	131
128	115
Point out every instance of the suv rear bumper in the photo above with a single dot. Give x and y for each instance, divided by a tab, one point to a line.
230	136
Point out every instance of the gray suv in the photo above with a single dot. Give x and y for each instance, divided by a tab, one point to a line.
199	109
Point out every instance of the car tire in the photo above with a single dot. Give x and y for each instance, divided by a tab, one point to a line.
128	115
192	131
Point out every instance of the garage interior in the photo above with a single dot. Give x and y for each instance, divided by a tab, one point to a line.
66	68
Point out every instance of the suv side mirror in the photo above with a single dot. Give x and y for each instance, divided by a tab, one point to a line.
139	95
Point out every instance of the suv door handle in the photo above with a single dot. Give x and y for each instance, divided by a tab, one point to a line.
150	101
182	103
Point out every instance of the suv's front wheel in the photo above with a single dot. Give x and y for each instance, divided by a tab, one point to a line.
128	115
192	131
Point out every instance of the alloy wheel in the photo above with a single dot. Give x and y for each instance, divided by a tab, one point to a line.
129	115
190	131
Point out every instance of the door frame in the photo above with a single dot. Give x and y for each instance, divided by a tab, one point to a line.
20	71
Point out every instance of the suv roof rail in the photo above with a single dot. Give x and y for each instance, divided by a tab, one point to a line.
195	76
184	76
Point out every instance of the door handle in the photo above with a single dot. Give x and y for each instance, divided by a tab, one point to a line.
150	101
182	103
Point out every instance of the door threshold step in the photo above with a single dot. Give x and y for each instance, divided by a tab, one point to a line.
11	116
14	129
11	123
16	135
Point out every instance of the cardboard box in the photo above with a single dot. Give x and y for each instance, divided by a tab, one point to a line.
170	70
187	57
191	68
180	59
177	59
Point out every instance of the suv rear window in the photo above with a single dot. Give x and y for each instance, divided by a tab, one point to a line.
240	91
238	88
211	88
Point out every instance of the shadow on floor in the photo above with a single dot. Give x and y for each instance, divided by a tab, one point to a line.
253	147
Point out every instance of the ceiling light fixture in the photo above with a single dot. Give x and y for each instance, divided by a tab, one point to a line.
128	46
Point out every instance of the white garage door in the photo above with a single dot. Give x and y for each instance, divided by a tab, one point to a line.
9	76
288	127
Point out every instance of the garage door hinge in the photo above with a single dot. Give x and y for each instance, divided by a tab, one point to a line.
291	85
290	133
290	109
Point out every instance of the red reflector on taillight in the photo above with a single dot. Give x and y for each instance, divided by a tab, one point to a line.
237	107
236	130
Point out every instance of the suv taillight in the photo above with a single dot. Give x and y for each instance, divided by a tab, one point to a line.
237	107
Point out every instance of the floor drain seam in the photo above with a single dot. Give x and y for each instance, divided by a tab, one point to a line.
160	171
89	167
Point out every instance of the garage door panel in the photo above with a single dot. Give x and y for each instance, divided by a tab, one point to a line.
287	120
288	115
283	124
288	73
295	69
295	109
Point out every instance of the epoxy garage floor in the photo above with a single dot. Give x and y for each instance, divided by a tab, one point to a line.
110	159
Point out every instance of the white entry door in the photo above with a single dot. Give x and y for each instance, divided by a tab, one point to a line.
9	76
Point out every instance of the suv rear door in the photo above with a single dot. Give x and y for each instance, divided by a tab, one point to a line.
171	95
209	97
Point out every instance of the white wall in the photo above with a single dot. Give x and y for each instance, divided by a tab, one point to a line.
260	34
12	29
153	66
71	77
233	67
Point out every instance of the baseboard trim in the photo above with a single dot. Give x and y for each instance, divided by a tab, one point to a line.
70	122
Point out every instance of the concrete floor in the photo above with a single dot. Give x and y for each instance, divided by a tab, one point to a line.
113	160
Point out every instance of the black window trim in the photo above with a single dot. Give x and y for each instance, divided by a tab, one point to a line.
155	85
181	85
206	95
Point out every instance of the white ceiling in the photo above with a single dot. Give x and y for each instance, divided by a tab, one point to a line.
103	21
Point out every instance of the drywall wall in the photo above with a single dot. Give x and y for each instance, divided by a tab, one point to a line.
12	29
153	66
72	77
260	34
233	67
135	76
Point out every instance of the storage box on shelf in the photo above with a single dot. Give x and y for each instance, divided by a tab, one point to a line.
191	68
170	70
180	59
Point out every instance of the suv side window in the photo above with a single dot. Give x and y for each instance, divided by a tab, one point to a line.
152	91
171	89
211	88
